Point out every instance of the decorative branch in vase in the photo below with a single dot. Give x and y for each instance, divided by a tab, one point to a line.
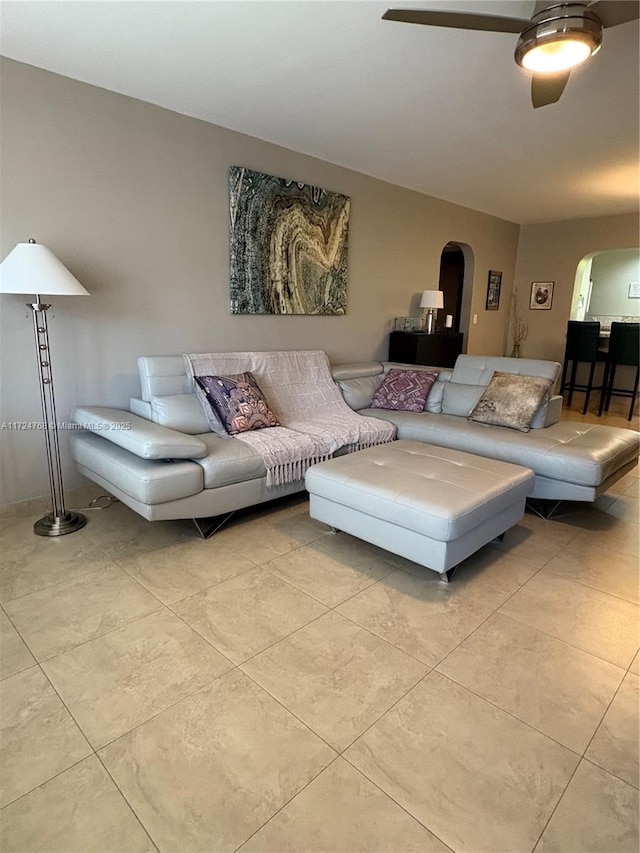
519	329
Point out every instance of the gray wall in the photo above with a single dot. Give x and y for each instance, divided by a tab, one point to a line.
611	273
551	252
134	200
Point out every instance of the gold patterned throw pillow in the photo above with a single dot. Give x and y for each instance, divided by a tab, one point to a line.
511	400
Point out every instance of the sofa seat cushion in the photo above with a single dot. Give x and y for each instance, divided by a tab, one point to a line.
572	452
149	481
229	461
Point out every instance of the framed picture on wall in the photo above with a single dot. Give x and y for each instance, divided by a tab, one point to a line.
493	290
541	295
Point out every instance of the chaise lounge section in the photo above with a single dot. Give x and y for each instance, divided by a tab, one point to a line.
571	460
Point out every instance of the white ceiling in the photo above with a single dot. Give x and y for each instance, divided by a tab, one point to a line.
445	112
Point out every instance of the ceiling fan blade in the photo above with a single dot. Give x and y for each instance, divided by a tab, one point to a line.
458	20
613	12
547	88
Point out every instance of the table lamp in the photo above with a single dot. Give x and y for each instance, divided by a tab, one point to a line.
431	300
32	268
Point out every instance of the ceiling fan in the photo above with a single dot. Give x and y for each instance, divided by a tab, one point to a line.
554	40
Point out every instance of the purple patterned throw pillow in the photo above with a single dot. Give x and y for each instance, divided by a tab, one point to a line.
404	390
238	402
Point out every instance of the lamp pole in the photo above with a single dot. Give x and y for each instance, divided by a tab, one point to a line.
59	521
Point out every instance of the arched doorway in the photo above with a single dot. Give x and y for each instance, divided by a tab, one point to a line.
456	283
603	287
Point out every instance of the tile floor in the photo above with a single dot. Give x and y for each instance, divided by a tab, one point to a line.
282	688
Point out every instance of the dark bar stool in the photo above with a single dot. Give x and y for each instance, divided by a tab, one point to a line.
582	346
624	348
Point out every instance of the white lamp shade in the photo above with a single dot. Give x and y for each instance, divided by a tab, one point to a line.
32	268
432	299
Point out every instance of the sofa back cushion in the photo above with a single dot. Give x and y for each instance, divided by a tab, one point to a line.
170	395
182	412
359	391
478	369
163	376
459	398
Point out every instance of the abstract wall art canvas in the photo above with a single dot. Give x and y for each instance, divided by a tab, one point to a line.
288	246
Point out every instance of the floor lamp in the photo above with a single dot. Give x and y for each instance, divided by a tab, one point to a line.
33	269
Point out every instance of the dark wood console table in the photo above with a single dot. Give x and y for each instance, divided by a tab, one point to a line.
440	349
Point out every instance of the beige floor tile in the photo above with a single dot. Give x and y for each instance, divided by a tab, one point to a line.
177	571
535	540
43	562
120	532
488	577
633	489
623	485
635	665
621	536
597	813
244	615
616	743
14	655
593	621
334	567
581	516
80	811
342	812
626	508
118	681
336	677
59	618
207	773
38	735
596	567
421	616
29	510
558	689
476	777
272	535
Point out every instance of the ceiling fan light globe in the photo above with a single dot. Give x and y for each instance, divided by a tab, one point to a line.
555	56
560	42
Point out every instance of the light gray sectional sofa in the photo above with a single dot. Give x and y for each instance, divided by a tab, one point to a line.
169	464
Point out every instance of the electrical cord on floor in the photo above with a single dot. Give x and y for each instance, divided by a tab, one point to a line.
110	501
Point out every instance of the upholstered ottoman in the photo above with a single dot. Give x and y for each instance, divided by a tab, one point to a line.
430	504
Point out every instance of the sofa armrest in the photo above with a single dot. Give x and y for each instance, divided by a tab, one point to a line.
548	413
141	437
554	410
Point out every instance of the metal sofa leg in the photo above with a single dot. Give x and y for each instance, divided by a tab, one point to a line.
543	507
208	526
447	577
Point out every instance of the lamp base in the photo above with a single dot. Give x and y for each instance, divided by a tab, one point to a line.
58	525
